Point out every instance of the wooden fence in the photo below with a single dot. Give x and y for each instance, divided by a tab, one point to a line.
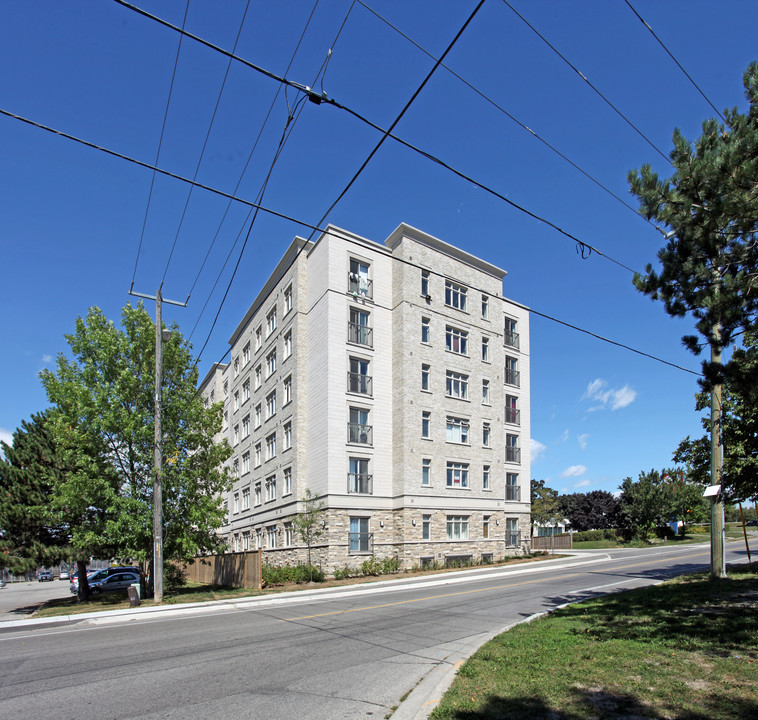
556	542
238	569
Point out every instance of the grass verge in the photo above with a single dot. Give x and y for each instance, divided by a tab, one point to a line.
685	649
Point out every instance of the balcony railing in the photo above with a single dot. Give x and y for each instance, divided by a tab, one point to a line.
513	492
360	543
512	539
361	483
513	416
357	285
363	434
359	383
361	334
511	339
512	377
512	454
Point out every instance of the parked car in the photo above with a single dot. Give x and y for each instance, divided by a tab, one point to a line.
114	582
44	576
2	582
751	523
63	575
97	576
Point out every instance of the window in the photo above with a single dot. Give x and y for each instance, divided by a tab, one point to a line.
358	428
271	537
271	405
226	510
236	468
257	493
510	336
271	363
358	478
426	527
485	526
246	462
425	283
512	535
358	330
236	434
485	392
486	434
226	388
246	426
425	377
245	391
486	477
271	488
512	489
289	535
456	340
226	420
512	450
485	349
456	385
426	471
236	400
360	538
425	330
246	497
457	527
258	415
457	474
258	337
258	455
287	389
358	281
457	430
358	379
271	446
258	377
455	295
288	344
246	539
246	354
485	307
426	422
236	503
288	299
236	366
271	322
287	436
511	371
512	414
287	482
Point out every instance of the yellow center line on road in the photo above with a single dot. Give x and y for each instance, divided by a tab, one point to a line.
480	590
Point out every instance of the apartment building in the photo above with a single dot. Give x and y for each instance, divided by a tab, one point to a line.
390	380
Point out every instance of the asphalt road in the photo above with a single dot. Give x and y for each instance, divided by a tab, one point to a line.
20	599
340	653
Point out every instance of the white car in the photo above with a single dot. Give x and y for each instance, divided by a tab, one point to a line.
63	576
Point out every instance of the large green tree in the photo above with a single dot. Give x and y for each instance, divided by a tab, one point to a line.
595	510
103	396
544	502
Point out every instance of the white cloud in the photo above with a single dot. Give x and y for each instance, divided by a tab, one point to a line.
583	440
6	437
537	448
47	359
598	391
582	483
574	471
566	435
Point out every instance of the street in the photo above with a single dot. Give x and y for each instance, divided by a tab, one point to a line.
20	599
338	653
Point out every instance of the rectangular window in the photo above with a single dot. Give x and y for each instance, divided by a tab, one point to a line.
287	482
258	415
246	354
288	344
425	283
287	389
245	391
246	540
257	493
511	371
485	526
288	299
457	430
456	340
236	434
426	527
270	322
236	400
456	385
486	477
486	434
226	388
246	498
511	337
426	424
271	363
358	281
287	436
512	450
236	468
360	538
236	366
358	428
485	307
258	455
457	527
426	471
512	535
425	330
512	414
425	369
271	488
258	377
246	426
457	475
358	478
271	446
485	392
485	349
271	537
455	295
236	503
246	462
358	330
358	379
289	535
271	405
512	489
258	337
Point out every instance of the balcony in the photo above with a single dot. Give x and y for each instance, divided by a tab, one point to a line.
512	416
359	383
513	492
511	339
512	377
512	454
361	434
360	286
360	543
360	483
360	334
512	539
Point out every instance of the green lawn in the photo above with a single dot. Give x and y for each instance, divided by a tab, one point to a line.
685	649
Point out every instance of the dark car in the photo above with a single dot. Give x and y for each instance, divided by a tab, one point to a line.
111	583
751	523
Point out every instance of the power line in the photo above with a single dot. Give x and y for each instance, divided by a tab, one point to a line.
678	64
584	77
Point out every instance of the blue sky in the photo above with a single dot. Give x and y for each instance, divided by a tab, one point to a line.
72	217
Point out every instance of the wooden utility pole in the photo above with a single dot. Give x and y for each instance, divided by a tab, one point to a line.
718	558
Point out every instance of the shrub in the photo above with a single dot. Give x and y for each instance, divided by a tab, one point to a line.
344	573
174	576
301	573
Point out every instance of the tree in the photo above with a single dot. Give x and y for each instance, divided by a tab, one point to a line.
642	504
544	502
309	523
595	510
104	398
709	211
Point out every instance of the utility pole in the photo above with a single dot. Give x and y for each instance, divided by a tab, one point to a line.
160	336
718	559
